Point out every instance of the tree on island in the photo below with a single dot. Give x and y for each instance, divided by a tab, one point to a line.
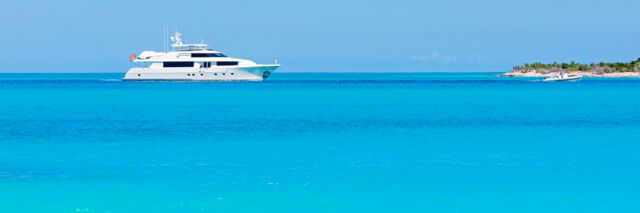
601	67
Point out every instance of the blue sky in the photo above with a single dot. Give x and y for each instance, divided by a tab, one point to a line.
323	36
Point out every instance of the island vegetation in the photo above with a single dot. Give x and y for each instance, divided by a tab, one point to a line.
601	69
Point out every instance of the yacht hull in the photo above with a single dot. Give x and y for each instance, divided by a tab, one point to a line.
236	73
570	78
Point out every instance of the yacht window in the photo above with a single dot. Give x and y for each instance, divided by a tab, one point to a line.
227	63
207	55
178	64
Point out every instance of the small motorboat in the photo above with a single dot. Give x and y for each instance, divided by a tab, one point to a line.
563	76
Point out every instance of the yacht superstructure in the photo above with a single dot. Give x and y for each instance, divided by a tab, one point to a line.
195	62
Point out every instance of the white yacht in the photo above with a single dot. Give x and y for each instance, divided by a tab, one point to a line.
195	62
563	76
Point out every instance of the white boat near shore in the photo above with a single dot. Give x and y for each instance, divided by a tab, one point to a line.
195	62
563	77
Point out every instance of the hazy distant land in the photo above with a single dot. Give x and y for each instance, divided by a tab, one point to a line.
602	69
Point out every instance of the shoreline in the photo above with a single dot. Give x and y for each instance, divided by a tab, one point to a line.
544	73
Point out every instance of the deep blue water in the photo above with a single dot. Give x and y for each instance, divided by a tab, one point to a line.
437	142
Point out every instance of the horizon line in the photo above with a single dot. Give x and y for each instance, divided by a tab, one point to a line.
272	73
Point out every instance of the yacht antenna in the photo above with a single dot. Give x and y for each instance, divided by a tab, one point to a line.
164	39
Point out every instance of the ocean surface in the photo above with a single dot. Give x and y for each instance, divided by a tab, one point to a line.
427	142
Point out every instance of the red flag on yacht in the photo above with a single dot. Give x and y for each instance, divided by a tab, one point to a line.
132	57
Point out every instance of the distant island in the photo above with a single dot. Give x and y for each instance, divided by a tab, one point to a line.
602	69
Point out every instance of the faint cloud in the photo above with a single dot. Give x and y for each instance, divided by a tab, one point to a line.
436	57
425	59
450	59
420	58
476	58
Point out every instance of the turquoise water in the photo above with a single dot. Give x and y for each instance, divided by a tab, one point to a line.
319	143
